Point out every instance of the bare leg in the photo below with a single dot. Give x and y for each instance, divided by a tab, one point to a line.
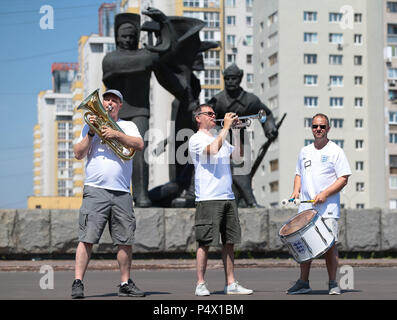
305	270
228	263
332	262
83	255
124	257
201	263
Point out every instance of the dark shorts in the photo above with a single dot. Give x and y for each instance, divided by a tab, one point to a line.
101	206
217	219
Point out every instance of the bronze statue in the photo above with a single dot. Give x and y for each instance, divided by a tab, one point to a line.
235	99
172	59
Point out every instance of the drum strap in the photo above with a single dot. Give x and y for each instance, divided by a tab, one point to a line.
309	178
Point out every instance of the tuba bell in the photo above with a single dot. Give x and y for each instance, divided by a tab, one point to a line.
94	106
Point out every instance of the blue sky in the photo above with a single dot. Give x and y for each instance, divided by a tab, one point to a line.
26	55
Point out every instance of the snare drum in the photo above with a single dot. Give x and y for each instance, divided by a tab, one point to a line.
306	236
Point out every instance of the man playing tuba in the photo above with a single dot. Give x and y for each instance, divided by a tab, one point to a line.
106	195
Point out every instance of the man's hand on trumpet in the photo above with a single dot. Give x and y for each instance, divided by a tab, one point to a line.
229	120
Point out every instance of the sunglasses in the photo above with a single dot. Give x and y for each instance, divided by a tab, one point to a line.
210	113
322	126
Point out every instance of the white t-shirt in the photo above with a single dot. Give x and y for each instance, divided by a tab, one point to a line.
104	169
319	169
213	176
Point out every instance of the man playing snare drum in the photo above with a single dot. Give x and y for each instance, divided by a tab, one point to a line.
322	171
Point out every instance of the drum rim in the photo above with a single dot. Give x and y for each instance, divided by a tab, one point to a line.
312	221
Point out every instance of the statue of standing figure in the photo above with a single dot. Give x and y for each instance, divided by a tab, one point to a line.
172	59
236	99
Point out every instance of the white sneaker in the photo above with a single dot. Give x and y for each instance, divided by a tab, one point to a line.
236	288
202	290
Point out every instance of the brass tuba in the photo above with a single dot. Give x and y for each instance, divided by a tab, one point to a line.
94	106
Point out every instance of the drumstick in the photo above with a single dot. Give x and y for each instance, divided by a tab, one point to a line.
296	202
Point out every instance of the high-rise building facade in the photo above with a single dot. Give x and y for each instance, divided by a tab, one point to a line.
53	136
390	99
323	56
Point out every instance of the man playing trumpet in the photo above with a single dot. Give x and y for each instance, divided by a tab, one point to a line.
216	209
106	195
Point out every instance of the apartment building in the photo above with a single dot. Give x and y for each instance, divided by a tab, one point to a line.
390	99
323	56
53	138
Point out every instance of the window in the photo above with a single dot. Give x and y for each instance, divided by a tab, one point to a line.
211	58
310	58
273	102
339	143
310	37
273	165
358	60
273	59
392	117
391	6
393	182
308	141
360	186
231	58
273	80
336	81
307	123
358	17
335	59
212	77
336	102
211	19
358	123
249	59
249	21
273	186
392	73
231	3
231	20
358	39
231	39
273	18
272	39
248	40
393	204
359	144
250	78
393	138
358	80
359	165
336	38
358	102
335	17
336	123
310	16
310	102
359	205
310	80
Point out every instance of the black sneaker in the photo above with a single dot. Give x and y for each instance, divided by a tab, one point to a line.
300	287
77	289
130	290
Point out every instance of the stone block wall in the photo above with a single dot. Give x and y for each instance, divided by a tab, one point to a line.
168	230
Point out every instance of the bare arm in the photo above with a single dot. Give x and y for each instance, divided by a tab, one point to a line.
297	187
81	149
215	146
236	154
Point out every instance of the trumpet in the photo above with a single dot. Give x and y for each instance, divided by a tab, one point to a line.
245	121
94	107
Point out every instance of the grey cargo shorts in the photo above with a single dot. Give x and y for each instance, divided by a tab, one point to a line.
101	206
